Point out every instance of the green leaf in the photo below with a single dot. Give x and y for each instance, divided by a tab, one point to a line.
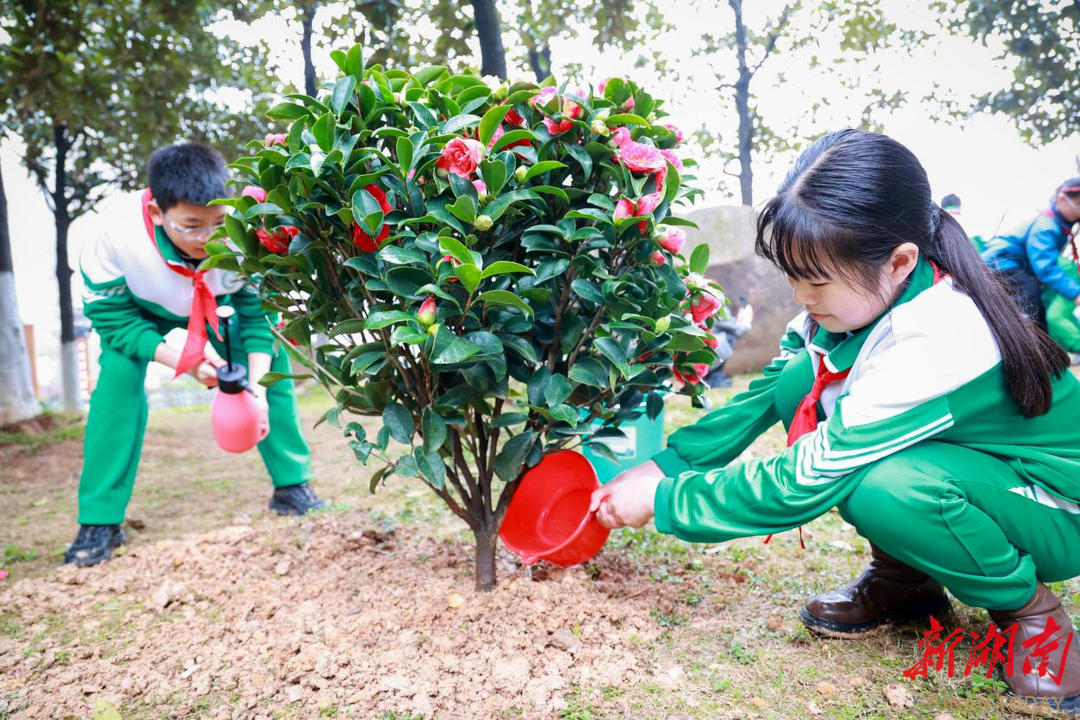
493	173
287	111
588	291
626	119
589	371
496	208
431	468
511	458
397	255
458	123
603	450
383	318
610	349
263	209
427	75
455	249
505	297
273	378
343	92
323	130
566	414
398	418
404	155
376	477
542	167
354	61
424	117
699	258
464	209
671	220
503	267
551	190
407	467
521	346
449	349
557	390
347	327
433	430
512	137
583	158
469	275
490	123
510	419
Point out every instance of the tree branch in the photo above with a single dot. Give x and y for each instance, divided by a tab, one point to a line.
774	35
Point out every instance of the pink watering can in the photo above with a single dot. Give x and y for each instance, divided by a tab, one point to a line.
240	421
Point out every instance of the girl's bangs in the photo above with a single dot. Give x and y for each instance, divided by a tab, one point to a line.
800	244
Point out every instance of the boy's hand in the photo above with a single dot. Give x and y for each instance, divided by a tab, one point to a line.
628	499
206	373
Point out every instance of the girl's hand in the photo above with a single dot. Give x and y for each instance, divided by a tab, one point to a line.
628	499
205	372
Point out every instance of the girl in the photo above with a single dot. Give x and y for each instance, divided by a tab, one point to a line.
919	401
1028	256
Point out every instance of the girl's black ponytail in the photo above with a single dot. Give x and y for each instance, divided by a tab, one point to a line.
1029	357
851	199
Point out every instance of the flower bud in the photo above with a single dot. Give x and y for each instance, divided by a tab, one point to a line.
428	312
600	127
663	324
520	173
483	222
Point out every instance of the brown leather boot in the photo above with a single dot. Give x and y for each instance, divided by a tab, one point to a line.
887	593
1031	620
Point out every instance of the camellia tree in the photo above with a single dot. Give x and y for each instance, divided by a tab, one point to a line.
492	270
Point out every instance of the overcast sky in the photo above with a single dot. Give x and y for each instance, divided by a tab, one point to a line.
1000	179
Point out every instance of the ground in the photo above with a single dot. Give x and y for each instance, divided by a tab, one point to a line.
217	609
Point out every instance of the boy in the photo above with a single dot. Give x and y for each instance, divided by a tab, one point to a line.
141	282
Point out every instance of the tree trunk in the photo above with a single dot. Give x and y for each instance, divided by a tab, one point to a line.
69	361
487	538
742	107
17	401
488	29
540	60
306	19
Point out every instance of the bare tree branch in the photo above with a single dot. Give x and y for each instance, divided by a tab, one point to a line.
774	35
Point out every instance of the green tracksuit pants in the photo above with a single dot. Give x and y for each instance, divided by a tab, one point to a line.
117	423
968	520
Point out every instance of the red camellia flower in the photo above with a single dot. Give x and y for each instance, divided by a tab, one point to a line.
361	238
645	205
658	258
275	139
674	240
557	127
461	156
703	306
499	132
514	118
623	209
640	158
277	241
694	376
254	191
711	342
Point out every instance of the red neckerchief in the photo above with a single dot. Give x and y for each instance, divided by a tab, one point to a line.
805	419
203	303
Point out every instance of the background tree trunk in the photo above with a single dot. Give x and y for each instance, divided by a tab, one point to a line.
540	60
69	360
489	30
17	401
742	107
307	17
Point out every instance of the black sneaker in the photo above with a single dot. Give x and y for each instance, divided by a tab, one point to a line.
295	500
94	543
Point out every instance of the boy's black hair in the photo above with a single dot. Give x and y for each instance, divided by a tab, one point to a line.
951	201
187	172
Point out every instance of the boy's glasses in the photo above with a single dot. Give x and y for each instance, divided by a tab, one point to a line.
192	233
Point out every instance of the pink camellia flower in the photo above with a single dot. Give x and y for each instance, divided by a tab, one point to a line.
630	100
480	186
428	312
703	306
674	240
461	156
623	209
645	206
694	376
543	97
620	136
640	158
499	132
253	191
658	258
277	241
677	131
272	139
672	158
